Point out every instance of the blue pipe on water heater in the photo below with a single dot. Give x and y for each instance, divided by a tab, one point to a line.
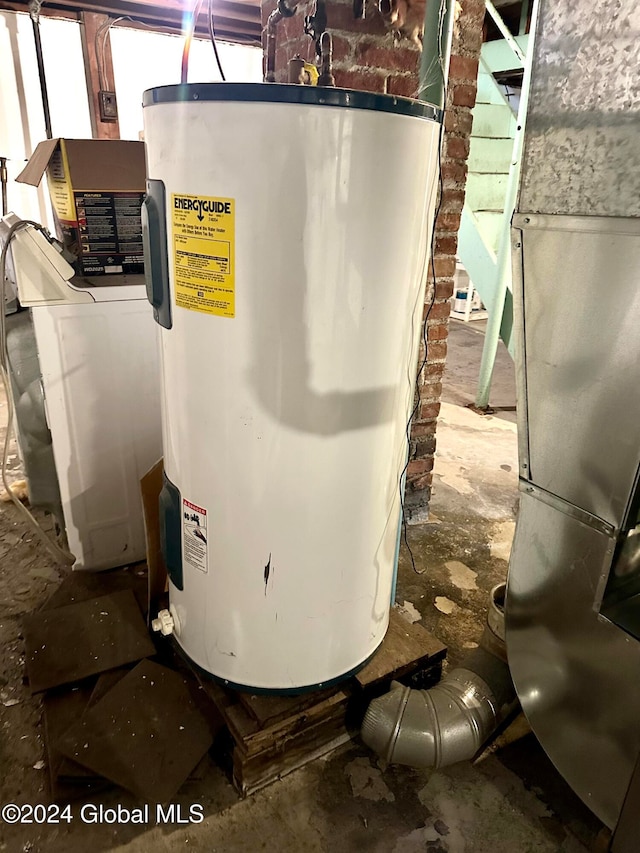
395	564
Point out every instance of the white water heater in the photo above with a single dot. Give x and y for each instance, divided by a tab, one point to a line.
287	240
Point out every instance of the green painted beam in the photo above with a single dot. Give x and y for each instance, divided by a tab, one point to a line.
486	192
490	186
499	56
490	227
487	91
490	155
524	14
476	257
493	120
501	297
506	32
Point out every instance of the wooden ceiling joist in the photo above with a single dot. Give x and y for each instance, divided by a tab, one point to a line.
234	21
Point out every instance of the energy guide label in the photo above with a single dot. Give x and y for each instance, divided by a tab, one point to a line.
194	536
204	246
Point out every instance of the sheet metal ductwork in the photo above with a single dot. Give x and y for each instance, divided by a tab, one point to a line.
451	721
572	613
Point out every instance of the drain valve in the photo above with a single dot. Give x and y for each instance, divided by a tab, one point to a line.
164	623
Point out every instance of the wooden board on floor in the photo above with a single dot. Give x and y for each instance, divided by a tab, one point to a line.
252	774
406	648
80	640
271	736
252	739
267	710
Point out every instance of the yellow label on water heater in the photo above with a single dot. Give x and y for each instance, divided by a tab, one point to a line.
203	253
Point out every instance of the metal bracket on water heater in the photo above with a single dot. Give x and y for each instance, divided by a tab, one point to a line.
154	244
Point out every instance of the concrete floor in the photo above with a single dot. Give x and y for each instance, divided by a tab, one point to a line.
467	340
512	800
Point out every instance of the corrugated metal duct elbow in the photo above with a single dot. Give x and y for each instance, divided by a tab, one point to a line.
451	721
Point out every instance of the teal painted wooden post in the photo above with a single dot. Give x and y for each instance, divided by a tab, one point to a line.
436	48
503	267
477	258
396	561
524	14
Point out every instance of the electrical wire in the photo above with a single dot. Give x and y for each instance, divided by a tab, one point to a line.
245	41
212	36
100	54
59	554
100	48
425	357
99	61
425	342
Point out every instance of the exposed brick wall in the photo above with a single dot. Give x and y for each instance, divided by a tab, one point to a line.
368	57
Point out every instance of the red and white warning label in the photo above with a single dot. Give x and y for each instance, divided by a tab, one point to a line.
194	536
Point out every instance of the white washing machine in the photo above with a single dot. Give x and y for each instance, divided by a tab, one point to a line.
97	348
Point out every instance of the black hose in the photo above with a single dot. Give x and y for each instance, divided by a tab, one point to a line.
212	36
43	80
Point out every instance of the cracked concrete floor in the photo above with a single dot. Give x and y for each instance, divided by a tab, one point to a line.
512	800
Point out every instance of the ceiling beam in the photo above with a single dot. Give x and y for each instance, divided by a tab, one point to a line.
98	73
234	21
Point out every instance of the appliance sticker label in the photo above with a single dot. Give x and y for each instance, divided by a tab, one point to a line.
109	233
194	536
204	249
59	186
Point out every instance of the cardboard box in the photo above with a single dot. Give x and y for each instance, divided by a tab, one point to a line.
157	576
96	188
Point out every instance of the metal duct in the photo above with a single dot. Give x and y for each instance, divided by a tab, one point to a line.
451	721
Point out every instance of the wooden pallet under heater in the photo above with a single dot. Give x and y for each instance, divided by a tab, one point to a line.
270	736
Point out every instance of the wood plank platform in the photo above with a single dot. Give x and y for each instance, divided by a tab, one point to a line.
270	736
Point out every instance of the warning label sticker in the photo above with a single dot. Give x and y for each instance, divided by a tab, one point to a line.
194	536
204	245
